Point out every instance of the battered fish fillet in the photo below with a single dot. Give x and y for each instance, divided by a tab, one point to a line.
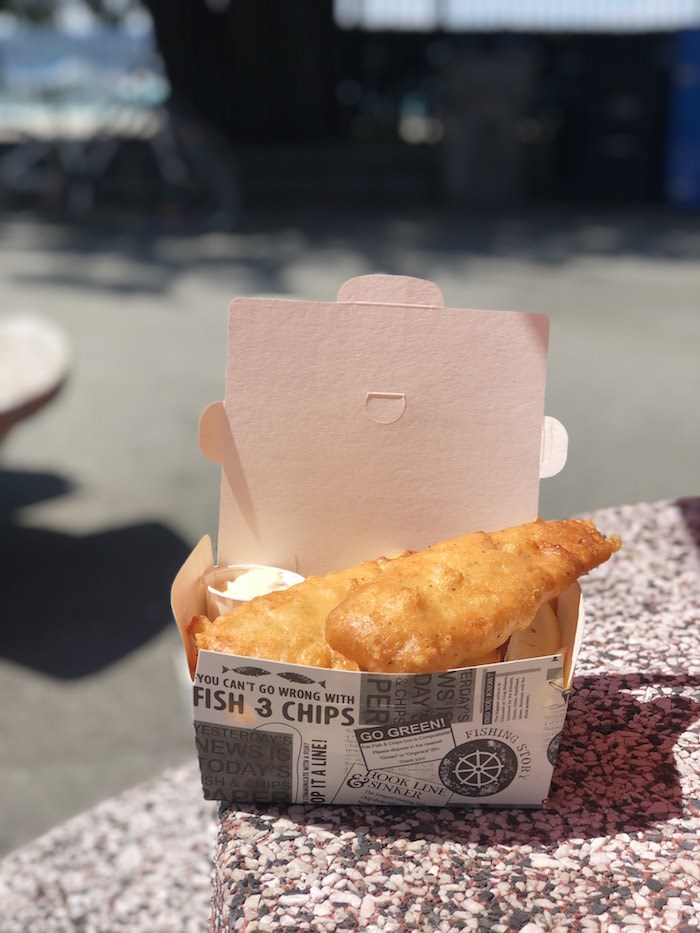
441	607
287	625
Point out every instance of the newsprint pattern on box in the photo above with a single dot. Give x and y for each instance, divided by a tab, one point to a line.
270	732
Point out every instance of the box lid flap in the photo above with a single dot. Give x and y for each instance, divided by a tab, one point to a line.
379	422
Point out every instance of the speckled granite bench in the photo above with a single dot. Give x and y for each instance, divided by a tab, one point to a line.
616	846
137	863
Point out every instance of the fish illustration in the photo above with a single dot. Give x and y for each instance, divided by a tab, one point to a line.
301	679
247	671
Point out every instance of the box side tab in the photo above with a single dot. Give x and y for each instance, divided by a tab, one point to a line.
555	447
571	615
213	427
187	597
391	289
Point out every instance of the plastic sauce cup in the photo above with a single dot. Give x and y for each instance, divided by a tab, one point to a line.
228	587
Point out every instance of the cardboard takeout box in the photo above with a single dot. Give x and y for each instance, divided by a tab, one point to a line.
350	430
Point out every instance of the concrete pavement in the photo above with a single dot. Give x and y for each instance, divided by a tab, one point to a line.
103	493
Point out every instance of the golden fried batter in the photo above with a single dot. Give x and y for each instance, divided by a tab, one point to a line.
287	625
458	600
451	605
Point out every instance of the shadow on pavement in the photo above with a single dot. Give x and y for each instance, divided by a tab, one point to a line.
72	605
268	242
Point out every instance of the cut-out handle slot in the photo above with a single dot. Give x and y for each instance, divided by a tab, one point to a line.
385	407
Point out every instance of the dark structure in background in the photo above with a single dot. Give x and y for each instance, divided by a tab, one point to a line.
261	72
276	100
468	116
683	149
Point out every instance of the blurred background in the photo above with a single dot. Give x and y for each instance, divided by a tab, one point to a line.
160	157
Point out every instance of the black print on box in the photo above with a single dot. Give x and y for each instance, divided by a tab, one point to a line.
244	764
553	749
479	768
404	698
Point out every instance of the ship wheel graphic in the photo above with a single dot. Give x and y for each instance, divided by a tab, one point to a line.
479	768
